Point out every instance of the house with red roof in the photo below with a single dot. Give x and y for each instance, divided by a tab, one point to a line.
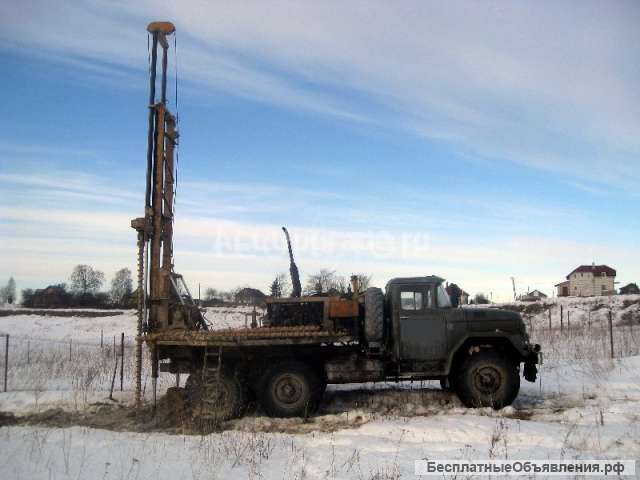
588	281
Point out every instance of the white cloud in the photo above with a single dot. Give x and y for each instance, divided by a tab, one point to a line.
46	232
42	246
78	185
544	84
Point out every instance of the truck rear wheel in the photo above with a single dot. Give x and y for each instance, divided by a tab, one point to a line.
289	389
215	397
373	315
487	379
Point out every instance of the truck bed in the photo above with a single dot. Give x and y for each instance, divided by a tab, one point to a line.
262	336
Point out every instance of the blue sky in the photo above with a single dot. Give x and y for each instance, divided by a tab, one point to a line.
477	141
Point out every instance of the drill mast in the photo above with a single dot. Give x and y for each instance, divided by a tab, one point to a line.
164	302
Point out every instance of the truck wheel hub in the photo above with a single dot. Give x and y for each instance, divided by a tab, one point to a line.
288	389
488	379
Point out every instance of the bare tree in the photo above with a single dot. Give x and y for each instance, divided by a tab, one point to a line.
364	281
324	281
11	290
211	294
284	284
8	292
227	295
121	286
84	279
481	299
230	295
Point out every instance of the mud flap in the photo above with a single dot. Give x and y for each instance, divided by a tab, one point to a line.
530	371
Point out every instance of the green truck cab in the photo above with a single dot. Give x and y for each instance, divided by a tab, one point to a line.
475	351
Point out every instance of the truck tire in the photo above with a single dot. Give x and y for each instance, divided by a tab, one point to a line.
373	315
487	379
289	389
216	397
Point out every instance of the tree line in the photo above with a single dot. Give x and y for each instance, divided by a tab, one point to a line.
85	284
323	282
84	289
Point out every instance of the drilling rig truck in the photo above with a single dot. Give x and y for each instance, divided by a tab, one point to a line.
408	331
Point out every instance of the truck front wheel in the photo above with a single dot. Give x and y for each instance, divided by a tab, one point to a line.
289	389
487	379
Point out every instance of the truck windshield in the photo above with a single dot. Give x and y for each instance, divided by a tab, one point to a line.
443	297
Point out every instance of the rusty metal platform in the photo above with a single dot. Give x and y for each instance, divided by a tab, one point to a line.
263	336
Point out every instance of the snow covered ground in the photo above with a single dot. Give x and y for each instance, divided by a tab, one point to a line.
58	362
578	311
584	406
88	329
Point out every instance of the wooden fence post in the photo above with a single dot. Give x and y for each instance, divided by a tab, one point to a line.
70	346
561	319
113	379
611	330
101	338
549	318
121	361
28	352
6	360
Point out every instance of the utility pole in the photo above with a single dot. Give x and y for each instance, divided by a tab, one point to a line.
513	283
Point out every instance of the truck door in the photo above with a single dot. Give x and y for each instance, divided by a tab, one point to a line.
422	325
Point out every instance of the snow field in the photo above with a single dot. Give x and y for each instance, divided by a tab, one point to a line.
584	406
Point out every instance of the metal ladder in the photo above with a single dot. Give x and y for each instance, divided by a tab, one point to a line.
211	373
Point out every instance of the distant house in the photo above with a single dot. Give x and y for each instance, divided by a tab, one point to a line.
533	296
588	281
464	298
54	296
250	296
630	289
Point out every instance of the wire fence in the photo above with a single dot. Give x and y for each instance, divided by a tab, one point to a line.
91	368
85	370
578	333
36	364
